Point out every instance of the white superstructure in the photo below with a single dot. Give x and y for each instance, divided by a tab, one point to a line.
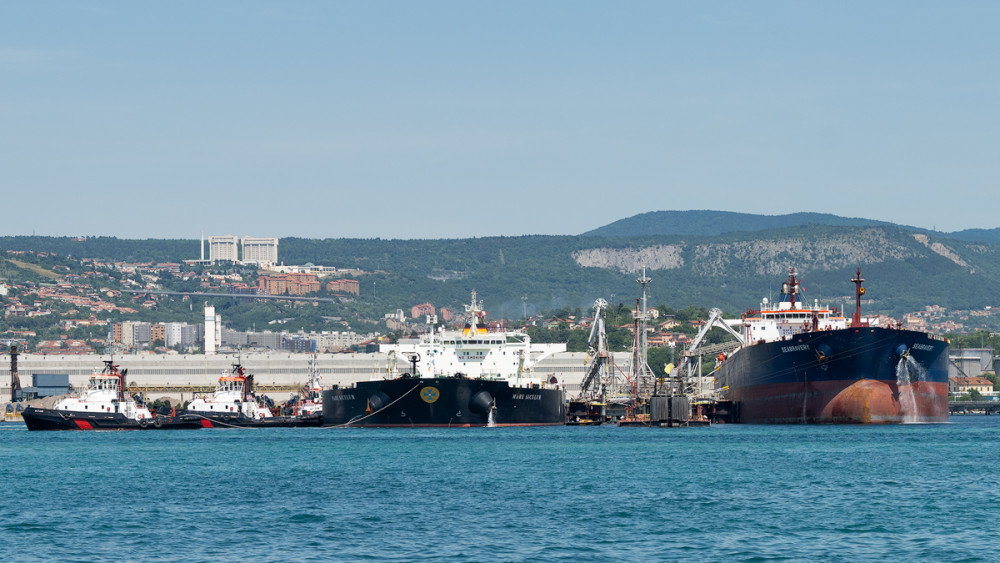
473	352
789	317
232	396
104	394
311	401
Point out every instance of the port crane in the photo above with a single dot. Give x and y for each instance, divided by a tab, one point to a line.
598	374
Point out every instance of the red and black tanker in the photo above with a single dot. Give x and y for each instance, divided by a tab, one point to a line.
808	364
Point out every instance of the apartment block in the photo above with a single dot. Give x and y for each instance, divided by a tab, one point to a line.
260	250
223	248
344	286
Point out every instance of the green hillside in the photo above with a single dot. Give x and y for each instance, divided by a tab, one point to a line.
906	270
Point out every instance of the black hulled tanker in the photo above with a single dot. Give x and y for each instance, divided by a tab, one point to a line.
472	377
447	401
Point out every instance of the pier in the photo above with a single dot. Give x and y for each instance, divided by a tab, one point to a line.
974	407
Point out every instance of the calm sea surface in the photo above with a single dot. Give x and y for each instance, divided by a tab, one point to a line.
730	492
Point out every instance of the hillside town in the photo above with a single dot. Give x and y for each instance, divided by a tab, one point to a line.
120	301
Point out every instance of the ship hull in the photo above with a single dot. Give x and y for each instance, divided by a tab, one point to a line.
442	402
50	419
865	375
216	420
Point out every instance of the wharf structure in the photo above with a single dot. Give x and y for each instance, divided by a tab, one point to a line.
278	374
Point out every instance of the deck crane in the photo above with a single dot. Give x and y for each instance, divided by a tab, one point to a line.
695	351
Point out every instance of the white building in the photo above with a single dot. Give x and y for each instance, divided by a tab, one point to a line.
128	333
223	248
173	334
212	325
260	250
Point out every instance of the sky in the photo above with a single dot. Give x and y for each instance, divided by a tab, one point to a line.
455	119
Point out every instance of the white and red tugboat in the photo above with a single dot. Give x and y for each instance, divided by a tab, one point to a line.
311	401
104	405
233	403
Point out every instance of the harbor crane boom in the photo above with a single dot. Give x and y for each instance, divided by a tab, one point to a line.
597	351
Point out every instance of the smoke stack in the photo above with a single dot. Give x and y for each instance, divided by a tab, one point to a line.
203	246
15	382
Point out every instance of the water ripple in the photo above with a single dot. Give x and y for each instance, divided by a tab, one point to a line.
741	493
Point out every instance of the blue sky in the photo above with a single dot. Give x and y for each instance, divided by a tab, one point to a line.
459	119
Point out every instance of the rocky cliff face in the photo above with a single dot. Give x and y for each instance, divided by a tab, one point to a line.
631	260
941	249
760	256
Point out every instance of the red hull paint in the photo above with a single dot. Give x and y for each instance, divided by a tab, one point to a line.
866	401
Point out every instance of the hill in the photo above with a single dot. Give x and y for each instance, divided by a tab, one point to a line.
710	223
515	275
990	236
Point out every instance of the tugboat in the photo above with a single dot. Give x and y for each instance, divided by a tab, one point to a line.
809	364
233	404
311	401
476	376
104	405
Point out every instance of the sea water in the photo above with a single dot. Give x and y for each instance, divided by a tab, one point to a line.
728	492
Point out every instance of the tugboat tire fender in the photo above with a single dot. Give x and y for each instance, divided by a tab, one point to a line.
157	422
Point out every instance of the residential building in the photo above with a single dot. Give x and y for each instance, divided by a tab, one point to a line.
173	334
344	286
963	385
223	248
292	284
142	333
157	332
260	251
422	310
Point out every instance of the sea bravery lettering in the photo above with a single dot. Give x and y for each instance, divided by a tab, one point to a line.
524	397
799	348
924	347
342	398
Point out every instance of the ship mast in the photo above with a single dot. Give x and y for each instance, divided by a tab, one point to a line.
858	292
474	310
431	349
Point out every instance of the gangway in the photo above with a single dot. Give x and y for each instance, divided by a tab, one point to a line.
694	353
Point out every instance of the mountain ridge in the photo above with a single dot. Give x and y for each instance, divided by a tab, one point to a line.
711	223
908	270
